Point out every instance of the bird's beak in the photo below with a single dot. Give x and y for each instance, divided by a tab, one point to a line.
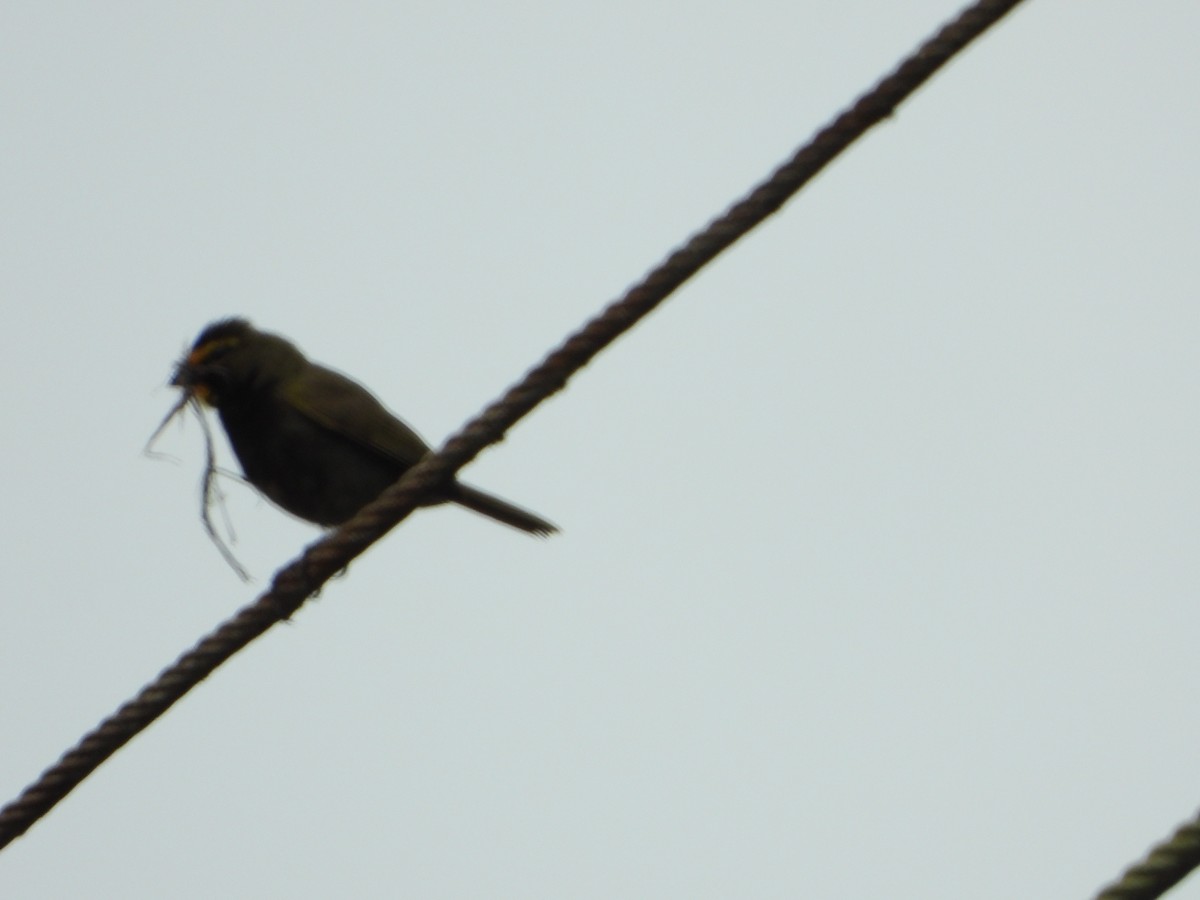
186	378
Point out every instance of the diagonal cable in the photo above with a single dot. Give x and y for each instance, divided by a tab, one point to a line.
301	578
1165	866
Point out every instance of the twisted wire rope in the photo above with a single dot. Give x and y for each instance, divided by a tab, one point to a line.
303	577
1167	864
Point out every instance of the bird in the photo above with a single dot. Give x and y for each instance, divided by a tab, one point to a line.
313	441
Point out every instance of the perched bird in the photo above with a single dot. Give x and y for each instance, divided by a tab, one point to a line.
314	442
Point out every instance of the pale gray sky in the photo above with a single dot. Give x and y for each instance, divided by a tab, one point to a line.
878	573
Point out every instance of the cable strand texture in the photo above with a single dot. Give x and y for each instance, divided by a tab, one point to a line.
1165	866
303	577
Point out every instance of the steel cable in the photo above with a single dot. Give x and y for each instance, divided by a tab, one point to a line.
303	577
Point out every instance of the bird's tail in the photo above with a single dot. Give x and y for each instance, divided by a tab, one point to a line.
501	510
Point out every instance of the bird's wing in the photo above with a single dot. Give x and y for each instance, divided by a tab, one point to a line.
345	407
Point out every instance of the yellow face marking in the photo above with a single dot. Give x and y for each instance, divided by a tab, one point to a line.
204	351
197	357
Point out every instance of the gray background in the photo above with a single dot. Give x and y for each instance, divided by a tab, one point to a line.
878	573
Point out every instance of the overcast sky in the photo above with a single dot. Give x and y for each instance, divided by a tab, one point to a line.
878	573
